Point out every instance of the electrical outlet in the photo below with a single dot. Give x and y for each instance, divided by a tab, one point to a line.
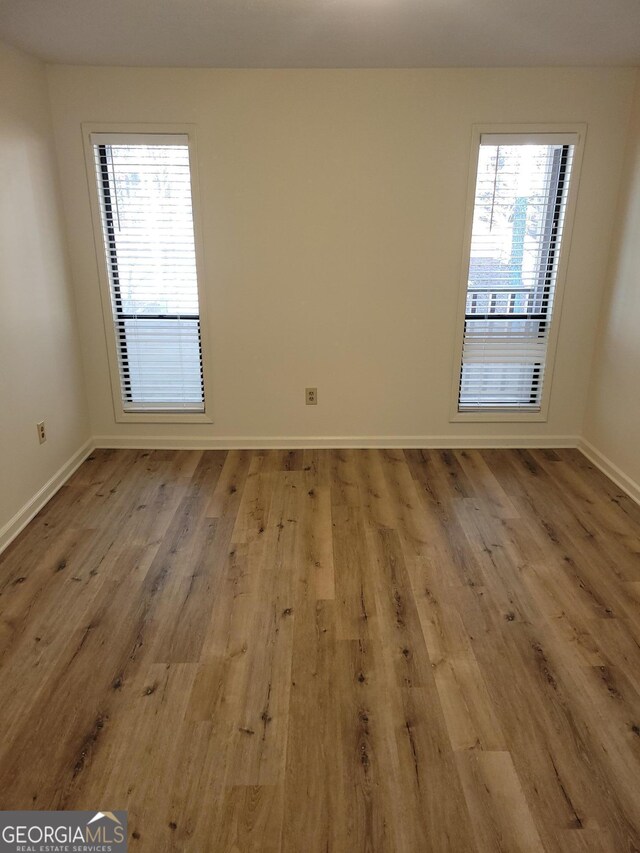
311	396
42	433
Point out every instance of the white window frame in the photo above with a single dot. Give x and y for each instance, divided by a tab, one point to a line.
520	131
143	132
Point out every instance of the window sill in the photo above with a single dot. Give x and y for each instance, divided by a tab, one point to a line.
498	417
163	418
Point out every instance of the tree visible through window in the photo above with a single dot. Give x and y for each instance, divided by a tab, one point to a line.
520	200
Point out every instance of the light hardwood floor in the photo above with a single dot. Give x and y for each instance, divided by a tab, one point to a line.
353	650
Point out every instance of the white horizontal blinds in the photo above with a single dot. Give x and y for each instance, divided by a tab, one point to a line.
520	200
144	186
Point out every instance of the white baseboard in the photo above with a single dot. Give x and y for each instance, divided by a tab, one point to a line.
24	515
435	442
610	469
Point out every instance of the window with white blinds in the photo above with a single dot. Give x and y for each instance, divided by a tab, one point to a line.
520	201
144	189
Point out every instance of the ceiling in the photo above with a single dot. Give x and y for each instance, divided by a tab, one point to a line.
325	33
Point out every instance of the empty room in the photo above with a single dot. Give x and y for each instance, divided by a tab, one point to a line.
320	426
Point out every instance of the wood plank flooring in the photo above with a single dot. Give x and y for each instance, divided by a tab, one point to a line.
311	651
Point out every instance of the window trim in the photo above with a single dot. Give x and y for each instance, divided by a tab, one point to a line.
514	131
144	131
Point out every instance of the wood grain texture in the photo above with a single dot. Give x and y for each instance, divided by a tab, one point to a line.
311	651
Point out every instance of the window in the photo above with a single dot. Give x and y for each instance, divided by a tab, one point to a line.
520	202
146	213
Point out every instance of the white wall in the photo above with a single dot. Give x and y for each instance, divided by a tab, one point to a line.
40	373
333	208
612	424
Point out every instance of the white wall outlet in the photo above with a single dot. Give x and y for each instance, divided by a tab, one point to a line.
311	396
42	433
